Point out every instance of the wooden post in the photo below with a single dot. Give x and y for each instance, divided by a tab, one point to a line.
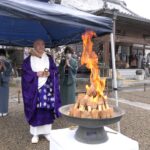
106	48
143	50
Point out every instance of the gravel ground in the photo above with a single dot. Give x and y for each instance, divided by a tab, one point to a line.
14	131
135	124
137	96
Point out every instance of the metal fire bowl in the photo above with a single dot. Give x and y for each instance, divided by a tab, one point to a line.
91	131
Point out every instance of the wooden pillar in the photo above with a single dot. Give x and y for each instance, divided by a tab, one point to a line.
143	50
106	47
130	53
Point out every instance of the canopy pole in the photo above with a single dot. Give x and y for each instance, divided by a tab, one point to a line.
114	74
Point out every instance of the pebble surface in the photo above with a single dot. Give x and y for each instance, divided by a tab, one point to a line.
14	130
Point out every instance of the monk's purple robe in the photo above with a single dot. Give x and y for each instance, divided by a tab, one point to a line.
37	116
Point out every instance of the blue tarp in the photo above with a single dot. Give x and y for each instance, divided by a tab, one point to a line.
23	21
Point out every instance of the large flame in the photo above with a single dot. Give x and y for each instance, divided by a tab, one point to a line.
94	103
90	59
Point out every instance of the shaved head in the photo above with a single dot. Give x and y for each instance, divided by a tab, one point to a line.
39	45
37	42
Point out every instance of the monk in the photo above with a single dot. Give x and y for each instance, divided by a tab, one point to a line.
40	88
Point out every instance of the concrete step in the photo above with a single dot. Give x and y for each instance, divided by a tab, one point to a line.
129	73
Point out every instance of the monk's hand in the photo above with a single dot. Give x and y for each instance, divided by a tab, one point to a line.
40	74
46	72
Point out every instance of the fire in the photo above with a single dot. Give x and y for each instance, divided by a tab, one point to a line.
90	59
94	103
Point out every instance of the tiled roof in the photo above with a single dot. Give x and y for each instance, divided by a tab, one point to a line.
122	10
95	6
118	5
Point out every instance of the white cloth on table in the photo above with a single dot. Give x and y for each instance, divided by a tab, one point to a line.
39	64
63	139
41	130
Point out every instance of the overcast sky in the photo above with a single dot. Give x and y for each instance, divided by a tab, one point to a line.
141	7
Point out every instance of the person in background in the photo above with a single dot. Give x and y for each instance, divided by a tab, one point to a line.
144	62
148	63
133	61
140	58
5	72
40	89
68	70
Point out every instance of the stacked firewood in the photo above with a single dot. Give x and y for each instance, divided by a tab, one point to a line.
88	106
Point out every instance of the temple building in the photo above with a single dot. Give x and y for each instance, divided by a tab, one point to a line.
132	32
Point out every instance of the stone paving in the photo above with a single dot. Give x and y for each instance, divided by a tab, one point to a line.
137	96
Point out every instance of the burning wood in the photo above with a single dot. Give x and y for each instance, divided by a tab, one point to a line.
94	103
87	108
